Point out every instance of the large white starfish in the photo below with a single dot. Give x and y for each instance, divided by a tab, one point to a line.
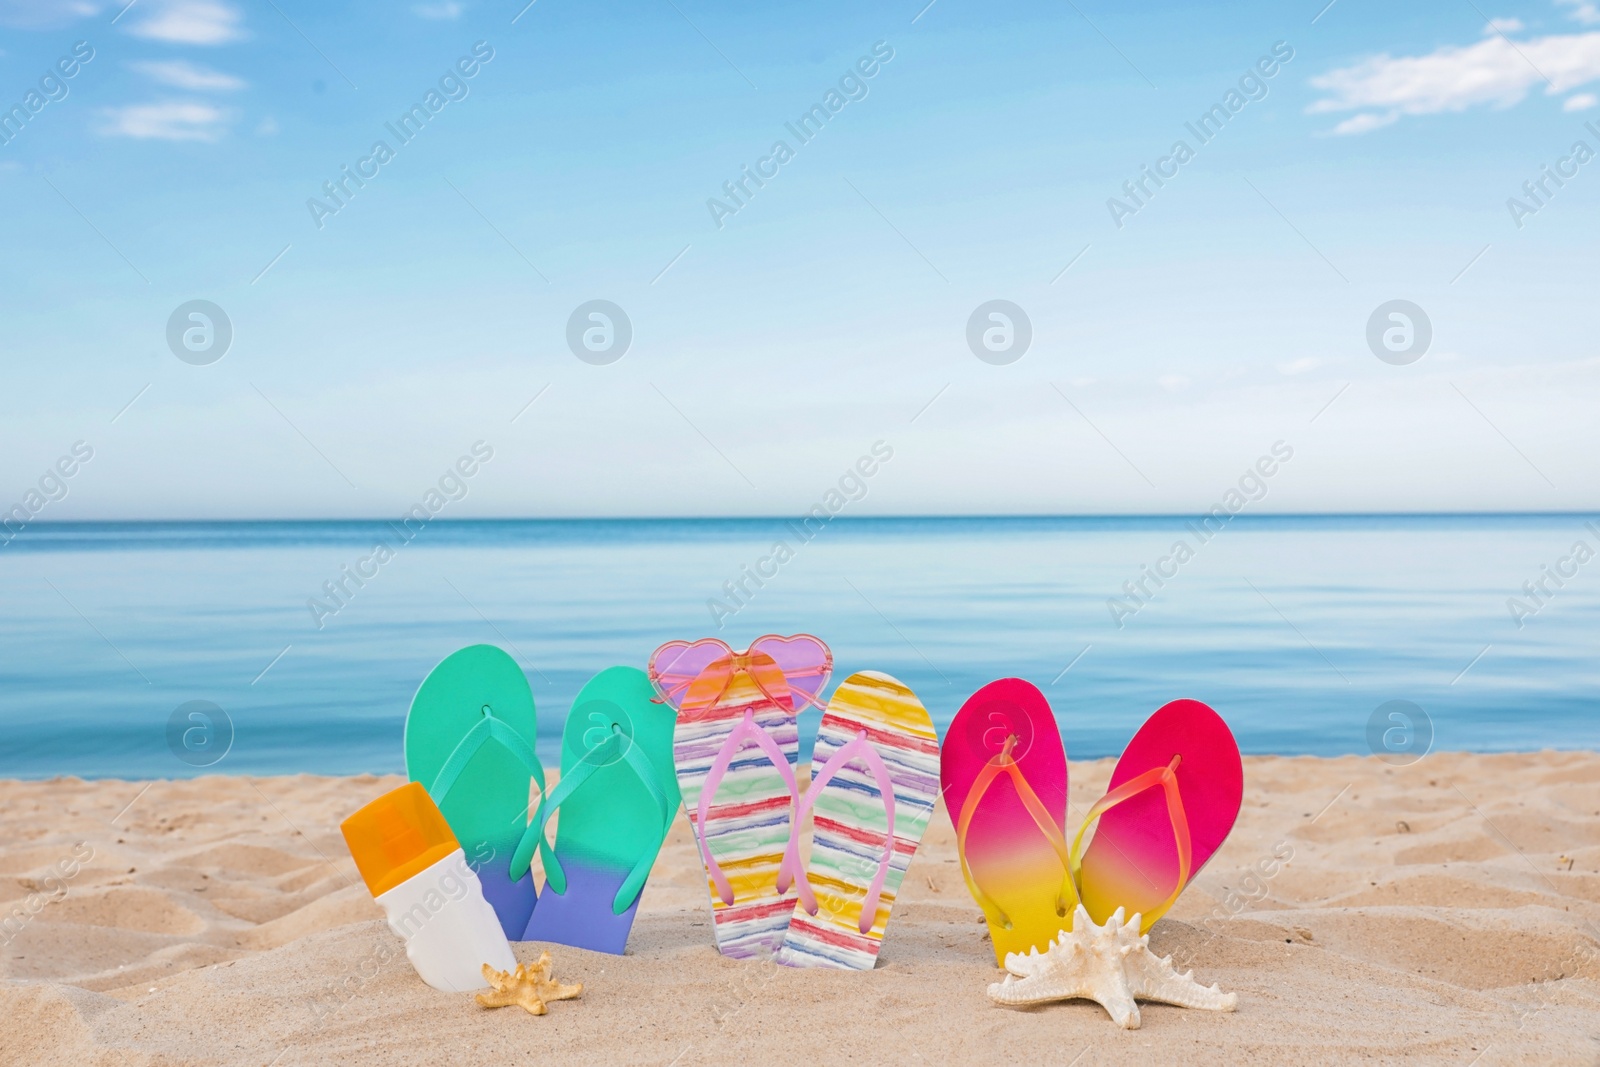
1111	965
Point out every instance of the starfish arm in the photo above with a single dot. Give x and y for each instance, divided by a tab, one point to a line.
1118	1002
557	991
1024	964
1154	978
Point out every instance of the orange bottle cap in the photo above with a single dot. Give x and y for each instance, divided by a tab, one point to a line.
396	836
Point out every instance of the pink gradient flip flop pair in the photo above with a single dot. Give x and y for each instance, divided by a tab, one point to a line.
1170	804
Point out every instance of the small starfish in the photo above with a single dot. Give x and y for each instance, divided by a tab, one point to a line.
1111	965
530	986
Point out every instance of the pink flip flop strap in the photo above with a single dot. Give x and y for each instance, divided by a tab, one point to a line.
746	728
859	746
1066	899
1167	778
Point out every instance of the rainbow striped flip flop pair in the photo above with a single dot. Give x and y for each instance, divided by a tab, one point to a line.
875	778
1172	801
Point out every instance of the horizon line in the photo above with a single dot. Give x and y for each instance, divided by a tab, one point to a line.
937	517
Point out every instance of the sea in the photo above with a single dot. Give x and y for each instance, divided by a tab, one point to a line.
173	649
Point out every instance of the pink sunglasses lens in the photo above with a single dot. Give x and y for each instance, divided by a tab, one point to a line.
675	665
805	661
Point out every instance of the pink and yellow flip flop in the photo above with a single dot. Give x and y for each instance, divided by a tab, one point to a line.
1003	773
1170	804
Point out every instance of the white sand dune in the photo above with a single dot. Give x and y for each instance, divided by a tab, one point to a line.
1446	912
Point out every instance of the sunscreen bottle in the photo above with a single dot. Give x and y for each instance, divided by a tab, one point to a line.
418	874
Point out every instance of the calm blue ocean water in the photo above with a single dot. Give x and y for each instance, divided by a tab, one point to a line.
1295	629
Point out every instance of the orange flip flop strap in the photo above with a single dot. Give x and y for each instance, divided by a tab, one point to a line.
1067	898
1167	778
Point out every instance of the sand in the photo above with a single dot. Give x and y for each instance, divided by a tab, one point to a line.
1445	912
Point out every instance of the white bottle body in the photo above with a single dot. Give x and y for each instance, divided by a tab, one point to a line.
450	930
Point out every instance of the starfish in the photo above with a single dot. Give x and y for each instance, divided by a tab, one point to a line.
1111	965
530	986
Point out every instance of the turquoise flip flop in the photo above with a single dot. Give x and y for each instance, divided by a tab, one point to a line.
469	741
617	796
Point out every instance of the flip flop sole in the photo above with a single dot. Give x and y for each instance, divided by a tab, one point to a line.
1132	862
747	824
487	807
850	822
582	916
1007	854
611	822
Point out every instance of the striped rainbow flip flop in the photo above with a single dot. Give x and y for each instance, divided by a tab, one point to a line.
745	828
875	740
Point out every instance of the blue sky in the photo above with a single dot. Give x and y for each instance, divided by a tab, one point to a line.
1228	312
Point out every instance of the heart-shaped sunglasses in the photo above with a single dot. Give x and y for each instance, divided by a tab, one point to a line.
693	675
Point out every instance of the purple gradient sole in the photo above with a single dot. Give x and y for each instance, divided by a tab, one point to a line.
582	916
513	902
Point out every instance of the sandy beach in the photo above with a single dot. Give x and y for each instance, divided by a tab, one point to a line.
1445	912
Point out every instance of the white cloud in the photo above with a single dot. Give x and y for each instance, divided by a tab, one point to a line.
1580	102
1583	11
267	127
177	120
1494	71
204	22
182	75
447	9
1172	382
1300	366
1503	26
1364	122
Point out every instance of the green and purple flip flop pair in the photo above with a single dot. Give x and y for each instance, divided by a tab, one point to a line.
1171	802
469	740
